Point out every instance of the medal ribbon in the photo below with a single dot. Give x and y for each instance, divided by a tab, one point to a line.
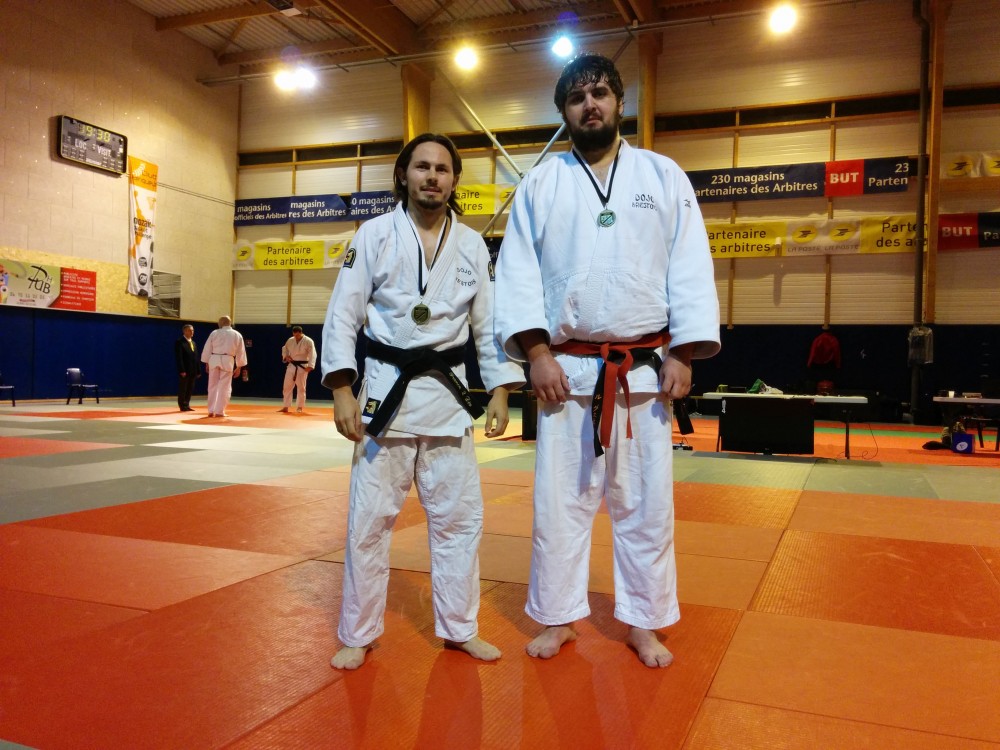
593	180
420	251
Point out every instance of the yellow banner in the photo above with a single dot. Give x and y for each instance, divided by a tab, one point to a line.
889	234
836	237
480	200
758	240
297	255
142	181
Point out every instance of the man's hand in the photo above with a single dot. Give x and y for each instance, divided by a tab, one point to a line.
548	380
675	373
347	414
497	416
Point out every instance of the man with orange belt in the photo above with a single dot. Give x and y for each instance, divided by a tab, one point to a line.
604	284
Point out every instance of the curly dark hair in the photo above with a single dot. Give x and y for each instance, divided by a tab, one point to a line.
587	67
406	155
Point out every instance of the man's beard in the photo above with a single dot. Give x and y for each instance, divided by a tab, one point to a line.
429	204
593	139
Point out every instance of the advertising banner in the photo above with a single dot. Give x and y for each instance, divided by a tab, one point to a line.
25	284
306	209
142	177
296	256
810	180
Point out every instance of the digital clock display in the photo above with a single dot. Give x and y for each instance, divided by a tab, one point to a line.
89	144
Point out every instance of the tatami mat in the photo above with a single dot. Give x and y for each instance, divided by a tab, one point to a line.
172	581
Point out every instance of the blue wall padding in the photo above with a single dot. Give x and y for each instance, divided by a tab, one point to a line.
133	357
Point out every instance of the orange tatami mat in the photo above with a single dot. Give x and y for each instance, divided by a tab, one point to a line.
123	572
924	681
728	725
595	695
894	583
200	610
22	446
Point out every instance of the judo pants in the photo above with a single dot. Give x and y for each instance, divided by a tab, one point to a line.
635	476
447	479
295	377
220	389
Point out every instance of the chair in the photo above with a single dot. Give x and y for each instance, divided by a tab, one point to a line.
74	381
980	422
7	391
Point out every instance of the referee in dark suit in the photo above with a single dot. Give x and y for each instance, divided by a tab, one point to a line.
188	366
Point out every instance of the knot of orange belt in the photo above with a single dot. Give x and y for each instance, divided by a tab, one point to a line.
413	362
618	359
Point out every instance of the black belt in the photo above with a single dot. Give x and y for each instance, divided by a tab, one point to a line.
298	362
413	362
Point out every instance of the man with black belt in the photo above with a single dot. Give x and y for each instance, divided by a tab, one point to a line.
188	367
415	279
300	354
225	356
605	286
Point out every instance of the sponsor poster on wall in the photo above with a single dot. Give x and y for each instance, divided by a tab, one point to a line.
142	176
25	284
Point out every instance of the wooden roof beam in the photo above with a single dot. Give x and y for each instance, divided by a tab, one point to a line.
219	15
382	25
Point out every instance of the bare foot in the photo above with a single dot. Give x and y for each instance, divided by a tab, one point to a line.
651	652
547	643
477	648
349	657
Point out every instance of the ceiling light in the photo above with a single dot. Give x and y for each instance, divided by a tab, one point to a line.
293	80
783	19
466	58
563	47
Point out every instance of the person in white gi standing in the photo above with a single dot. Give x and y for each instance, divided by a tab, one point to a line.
415	279
300	354
605	285
225	356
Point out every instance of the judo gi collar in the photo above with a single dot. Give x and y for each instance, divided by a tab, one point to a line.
605	218
421	313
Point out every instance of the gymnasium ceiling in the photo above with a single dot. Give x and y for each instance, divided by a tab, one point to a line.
258	37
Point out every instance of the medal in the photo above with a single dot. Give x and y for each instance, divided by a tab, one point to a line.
421	314
607	217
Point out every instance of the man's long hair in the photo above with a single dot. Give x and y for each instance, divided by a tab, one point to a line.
406	155
587	67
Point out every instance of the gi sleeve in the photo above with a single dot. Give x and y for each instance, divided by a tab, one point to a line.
520	301
345	313
495	367
692	296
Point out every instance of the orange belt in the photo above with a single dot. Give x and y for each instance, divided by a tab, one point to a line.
618	359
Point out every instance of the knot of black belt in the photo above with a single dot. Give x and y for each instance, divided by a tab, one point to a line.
413	362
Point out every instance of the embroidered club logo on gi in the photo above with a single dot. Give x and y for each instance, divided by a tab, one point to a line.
349	257
371	406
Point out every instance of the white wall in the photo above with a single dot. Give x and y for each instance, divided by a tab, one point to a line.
103	62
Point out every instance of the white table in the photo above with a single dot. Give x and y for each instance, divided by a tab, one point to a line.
846	401
952	410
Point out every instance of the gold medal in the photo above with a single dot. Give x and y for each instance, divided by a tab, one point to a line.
421	314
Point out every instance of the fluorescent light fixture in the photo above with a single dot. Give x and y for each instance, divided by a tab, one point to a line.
563	47
466	58
783	19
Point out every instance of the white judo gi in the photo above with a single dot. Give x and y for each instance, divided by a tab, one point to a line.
560	272
429	439
302	351
223	352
